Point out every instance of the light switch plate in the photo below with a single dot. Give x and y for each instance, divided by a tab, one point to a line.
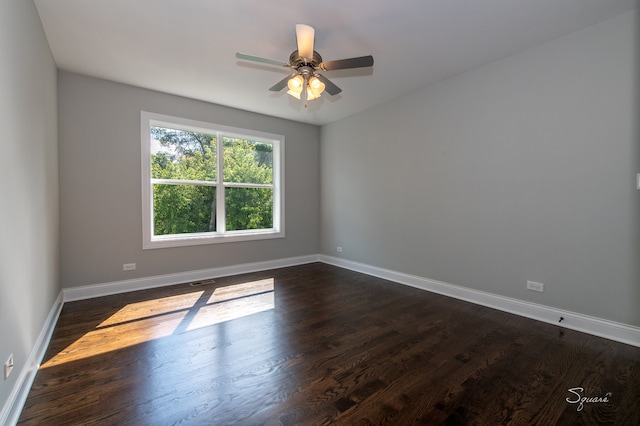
534	286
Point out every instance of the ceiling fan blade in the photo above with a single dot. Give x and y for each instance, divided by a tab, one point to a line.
281	84
343	64
259	59
329	87
304	36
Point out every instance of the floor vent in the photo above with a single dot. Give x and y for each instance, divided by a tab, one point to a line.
202	282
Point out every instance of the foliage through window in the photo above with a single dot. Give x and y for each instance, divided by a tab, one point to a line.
205	183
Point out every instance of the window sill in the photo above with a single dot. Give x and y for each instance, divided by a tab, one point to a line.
203	239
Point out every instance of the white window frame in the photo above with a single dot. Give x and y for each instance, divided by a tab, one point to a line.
151	241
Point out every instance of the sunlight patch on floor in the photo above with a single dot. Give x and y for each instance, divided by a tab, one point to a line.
150	308
228	303
144	321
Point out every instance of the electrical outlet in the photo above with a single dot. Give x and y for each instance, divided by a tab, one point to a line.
534	286
339	249
129	267
8	366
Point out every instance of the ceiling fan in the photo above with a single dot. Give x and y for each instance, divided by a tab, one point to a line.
306	62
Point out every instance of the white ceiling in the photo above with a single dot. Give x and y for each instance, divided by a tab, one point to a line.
187	47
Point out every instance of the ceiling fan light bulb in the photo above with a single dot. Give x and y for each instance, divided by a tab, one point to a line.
316	86
295	84
312	96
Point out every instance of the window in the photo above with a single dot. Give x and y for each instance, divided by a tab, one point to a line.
204	183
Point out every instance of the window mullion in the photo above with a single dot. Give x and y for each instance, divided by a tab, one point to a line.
221	218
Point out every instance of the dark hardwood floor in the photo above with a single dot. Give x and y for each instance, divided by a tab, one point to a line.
315	344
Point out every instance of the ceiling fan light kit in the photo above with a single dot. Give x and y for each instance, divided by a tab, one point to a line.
305	83
314	86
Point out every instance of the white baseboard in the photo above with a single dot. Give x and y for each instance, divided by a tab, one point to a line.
106	289
18	396
596	326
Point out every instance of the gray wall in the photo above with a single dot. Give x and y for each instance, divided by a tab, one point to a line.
29	277
100	184
520	170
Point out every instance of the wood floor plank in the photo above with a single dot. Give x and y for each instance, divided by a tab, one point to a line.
316	344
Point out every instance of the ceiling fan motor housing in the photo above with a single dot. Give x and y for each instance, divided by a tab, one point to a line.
296	61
